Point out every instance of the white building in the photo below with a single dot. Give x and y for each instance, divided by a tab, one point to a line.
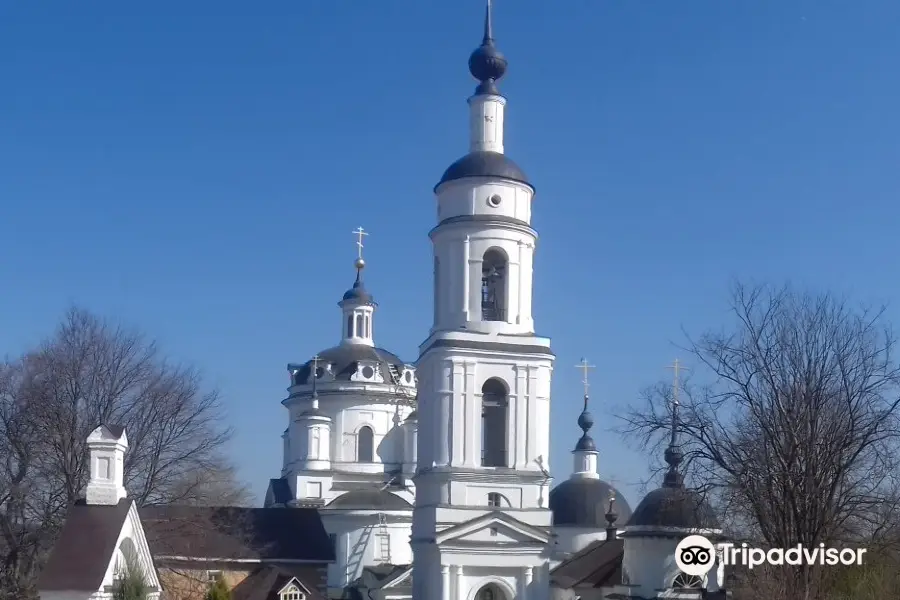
452	500
350	445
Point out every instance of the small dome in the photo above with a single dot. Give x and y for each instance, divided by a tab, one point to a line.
674	506
486	63
343	361
358	293
584	502
484	163
370	499
585	444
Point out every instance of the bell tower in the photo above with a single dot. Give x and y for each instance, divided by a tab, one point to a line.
484	376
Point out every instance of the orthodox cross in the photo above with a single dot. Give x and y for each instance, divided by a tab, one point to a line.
585	367
676	383
677	368
359	233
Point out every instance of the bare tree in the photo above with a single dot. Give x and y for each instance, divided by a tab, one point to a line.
791	422
94	372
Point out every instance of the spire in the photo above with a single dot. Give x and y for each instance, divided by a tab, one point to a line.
585	419
315	378
358	291
357	304
673	455
486	63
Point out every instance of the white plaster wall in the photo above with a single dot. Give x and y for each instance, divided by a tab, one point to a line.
460	248
450	407
470	197
358	547
351	407
649	563
465	579
573	539
486	114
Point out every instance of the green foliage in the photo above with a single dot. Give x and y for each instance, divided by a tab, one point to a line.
218	591
131	584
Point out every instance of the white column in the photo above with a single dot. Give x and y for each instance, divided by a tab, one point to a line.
466	299
445	582
473	418
458	582
520	303
525	583
474	288
457	420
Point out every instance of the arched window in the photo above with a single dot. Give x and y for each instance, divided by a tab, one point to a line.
365	445
350	326
490	592
685	581
496	500
494	403
493	286
360	331
314	444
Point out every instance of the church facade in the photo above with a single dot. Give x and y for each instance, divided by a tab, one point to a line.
432	477
425	480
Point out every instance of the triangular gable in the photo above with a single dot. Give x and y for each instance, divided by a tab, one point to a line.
293	581
109	433
399	578
133	540
512	529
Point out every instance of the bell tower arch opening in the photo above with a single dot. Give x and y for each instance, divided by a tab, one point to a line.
494	288
494	408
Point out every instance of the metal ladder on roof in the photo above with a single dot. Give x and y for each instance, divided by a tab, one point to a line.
384	539
395	373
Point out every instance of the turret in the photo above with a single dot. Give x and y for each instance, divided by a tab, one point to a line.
106	446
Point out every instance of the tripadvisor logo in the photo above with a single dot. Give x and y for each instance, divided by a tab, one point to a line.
696	555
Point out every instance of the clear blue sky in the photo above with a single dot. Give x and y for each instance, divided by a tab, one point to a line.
196	168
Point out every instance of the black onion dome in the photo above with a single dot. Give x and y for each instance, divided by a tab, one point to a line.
484	163
584	503
358	293
674	507
585	422
370	499
344	360
585	444
487	64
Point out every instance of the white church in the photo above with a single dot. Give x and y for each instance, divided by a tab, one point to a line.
424	480
431	477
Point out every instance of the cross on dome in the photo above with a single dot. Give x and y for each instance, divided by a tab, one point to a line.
673	455
585	368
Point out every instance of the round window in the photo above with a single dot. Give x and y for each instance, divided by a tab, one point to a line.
494	201
408	377
368	372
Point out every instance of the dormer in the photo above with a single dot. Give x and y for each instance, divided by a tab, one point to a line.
369	371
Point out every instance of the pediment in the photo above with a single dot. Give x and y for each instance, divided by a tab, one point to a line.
109	433
495	528
293	582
